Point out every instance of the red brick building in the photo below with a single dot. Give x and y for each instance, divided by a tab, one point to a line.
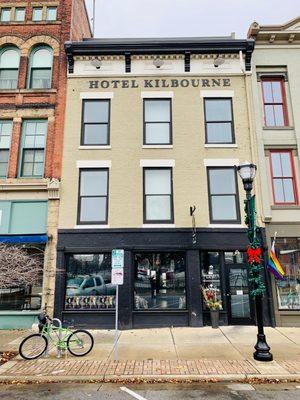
33	77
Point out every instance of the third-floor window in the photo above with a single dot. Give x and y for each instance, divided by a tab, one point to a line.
40	68
157	122
9	67
218	120
95	122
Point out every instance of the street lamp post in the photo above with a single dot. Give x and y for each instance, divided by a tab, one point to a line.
247	172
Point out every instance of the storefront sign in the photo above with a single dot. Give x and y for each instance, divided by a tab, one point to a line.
159	83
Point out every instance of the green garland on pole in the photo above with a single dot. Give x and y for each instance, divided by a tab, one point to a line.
254	250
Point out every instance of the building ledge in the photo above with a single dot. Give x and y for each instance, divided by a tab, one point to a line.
278	128
41	185
286	207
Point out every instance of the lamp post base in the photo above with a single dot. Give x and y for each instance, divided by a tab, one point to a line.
262	352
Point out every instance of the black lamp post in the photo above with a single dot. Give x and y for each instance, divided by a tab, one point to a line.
247	172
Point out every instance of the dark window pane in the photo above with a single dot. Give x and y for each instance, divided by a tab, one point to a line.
96	134
158	133
158	208
222	181
218	110
159	281
157	111
223	208
93	209
219	132
88	285
93	183
96	111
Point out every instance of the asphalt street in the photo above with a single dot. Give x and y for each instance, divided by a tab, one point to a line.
174	391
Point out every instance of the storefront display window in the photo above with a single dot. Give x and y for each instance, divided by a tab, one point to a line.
210	274
159	281
88	284
23	297
288	290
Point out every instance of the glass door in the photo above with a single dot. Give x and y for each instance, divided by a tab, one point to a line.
238	296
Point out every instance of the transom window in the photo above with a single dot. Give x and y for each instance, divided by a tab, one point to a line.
158	195
51	13
93	196
9	68
5	139
223	195
283	177
19	14
33	148
40	71
157	121
5	14
275	108
37	14
95	122
218	120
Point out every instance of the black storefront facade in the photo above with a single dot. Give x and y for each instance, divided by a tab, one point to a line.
163	275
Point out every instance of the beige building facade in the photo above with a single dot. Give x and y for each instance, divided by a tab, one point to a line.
276	83
153	133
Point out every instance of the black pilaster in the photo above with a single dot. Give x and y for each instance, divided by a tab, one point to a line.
126	293
193	288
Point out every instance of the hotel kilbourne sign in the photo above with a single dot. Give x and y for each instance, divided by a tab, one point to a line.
158	83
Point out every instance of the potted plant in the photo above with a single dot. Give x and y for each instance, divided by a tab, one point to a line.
213	304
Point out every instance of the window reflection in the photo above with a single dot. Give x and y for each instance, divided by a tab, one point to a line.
159	281
210	273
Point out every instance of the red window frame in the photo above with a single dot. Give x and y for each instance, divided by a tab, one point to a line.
283	104
293	177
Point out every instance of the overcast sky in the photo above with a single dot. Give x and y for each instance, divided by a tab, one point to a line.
166	18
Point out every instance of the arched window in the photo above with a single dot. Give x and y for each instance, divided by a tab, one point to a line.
9	67
40	68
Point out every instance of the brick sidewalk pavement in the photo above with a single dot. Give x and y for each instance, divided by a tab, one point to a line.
101	369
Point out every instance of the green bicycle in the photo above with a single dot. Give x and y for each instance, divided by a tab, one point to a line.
78	343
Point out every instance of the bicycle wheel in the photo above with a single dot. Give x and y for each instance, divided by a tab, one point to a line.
80	343
33	346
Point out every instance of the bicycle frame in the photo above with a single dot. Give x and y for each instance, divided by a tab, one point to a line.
61	333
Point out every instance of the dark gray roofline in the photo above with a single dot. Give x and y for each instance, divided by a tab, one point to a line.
186	46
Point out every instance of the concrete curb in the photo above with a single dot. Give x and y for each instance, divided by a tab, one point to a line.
149	378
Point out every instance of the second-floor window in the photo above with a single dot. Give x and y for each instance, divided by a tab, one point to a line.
157	121
37	14
158	195
40	68
218	120
5	139
5	14
33	148
19	14
283	177
9	67
93	196
223	195
95	122
51	13
274	100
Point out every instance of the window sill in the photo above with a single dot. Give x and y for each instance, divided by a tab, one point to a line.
91	226
286	207
157	146
278	128
94	147
220	145
37	90
158	225
225	226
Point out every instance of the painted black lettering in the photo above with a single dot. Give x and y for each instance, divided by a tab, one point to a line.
205	83
115	84
184	83
94	84
148	83
174	83
104	84
195	82
216	82
134	84
226	82
157	81
125	84
164	83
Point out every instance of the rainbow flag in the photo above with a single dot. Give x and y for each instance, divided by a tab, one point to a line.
274	265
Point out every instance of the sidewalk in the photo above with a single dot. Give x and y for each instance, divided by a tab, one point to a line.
166	353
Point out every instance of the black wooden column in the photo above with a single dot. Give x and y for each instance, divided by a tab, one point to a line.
193	288
126	293
59	284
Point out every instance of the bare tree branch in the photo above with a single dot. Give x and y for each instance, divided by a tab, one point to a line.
18	268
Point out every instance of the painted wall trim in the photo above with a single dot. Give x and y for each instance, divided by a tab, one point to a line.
220	162
94	147
157	163
158	226
156	93
96	95
221	145
91	226
216	93
93	163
